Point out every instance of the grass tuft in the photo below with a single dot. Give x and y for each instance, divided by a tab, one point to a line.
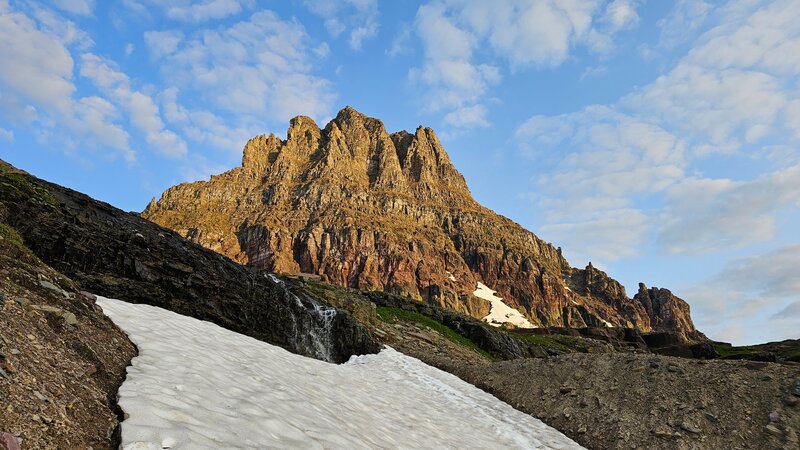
394	314
9	236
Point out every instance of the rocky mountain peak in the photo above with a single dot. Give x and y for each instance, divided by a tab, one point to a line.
356	149
260	152
365	208
350	117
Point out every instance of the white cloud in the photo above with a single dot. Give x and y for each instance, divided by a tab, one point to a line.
467	116
587	199
8	135
262	65
734	87
705	215
752	299
592	72
621	14
65	30
596	234
682	22
520	33
42	69
201	11
763	38
205	127
401	43
526	33
735	91
455	82
610	153
79	7
162	43
720	109
358	16
142	112
96	118
37	89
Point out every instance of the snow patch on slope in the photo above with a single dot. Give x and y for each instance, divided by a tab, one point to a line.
196	385
500	313
451	277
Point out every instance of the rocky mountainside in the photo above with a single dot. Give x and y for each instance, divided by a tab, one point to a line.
373	210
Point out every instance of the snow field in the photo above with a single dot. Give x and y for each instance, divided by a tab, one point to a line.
196	385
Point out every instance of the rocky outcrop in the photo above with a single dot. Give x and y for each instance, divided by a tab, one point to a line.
667	312
373	210
120	255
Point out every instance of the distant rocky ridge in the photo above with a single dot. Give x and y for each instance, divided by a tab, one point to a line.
373	210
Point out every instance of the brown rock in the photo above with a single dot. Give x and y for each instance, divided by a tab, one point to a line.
373	210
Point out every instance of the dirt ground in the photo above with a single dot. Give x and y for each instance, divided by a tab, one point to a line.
616	401
631	401
61	359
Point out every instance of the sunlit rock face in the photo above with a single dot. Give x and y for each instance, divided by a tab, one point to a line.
374	210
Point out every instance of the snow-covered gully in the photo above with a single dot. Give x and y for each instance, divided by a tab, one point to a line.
196	385
500	313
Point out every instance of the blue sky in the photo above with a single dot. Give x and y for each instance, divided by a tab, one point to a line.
656	139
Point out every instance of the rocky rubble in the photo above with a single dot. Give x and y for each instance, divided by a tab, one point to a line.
373	210
618	401
61	359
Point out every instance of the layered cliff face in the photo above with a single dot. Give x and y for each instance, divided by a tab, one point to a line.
374	210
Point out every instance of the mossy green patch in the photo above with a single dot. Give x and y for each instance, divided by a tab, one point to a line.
791	354
324	291
394	314
12	247
550	341
727	350
16	187
10	237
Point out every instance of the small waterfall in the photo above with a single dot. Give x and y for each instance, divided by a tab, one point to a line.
317	338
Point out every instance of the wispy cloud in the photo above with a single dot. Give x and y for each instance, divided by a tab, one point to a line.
360	17
588	199
682	22
262	65
197	11
204	127
38	87
78	7
752	297
703	214
734	91
7	135
520	34
162	43
140	108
